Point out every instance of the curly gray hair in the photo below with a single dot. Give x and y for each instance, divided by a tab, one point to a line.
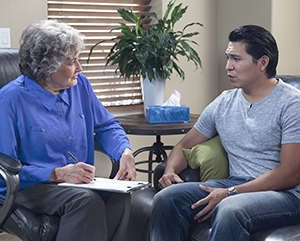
45	45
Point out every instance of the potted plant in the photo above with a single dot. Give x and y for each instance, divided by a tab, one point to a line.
152	50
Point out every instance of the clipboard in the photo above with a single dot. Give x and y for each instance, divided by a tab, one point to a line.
110	185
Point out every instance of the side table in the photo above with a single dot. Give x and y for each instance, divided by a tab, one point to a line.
136	124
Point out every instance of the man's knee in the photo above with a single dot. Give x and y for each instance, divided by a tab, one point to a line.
164	196
229	210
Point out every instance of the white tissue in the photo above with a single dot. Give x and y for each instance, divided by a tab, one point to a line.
174	99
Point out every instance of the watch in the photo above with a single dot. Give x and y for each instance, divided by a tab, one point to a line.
232	191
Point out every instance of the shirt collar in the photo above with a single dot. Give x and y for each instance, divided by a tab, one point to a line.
64	97
47	99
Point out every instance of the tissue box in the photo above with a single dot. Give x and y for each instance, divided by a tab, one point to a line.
167	114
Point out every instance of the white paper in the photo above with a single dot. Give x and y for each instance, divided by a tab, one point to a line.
110	185
174	99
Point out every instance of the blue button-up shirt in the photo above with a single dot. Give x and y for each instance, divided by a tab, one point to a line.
39	128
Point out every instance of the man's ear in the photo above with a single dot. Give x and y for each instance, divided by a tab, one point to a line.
264	62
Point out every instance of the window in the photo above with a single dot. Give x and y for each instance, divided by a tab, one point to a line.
95	19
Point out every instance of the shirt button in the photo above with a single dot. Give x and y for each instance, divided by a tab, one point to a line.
69	138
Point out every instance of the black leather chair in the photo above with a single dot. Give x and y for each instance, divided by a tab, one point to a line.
141	201
15	219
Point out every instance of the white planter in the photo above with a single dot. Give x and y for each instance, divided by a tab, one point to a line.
153	92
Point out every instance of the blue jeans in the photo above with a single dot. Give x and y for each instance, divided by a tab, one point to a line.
234	218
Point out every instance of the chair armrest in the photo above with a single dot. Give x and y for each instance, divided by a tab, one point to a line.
187	175
114	163
190	175
9	170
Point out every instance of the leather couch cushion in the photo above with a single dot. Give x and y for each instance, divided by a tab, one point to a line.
9	67
139	222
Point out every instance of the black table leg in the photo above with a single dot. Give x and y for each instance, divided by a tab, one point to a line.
159	150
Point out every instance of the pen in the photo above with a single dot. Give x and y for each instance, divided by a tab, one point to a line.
73	157
75	160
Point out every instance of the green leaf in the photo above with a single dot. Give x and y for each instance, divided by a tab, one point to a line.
142	55
154	15
189	35
142	48
177	13
127	15
164	39
169	8
124	27
195	57
92	49
186	48
191	24
179	71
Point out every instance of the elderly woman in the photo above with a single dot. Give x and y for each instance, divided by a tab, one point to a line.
49	111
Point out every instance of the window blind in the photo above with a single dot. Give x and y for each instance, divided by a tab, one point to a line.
95	19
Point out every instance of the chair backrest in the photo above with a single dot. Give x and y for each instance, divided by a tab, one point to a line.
9	65
293	80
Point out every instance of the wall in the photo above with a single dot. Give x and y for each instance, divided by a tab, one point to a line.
280	17
200	86
232	14
285	27
17	14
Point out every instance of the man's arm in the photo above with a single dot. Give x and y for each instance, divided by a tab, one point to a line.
177	161
283	177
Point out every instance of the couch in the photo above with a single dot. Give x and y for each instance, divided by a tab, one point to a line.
138	229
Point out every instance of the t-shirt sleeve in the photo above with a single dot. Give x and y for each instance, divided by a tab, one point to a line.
206	122
291	122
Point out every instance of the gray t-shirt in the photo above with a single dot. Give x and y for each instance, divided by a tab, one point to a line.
252	133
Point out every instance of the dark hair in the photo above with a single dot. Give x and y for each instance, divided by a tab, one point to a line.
259	42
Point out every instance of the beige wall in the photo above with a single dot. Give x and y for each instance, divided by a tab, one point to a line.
200	86
286	29
232	14
219	18
17	14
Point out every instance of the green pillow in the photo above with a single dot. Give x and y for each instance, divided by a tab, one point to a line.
211	157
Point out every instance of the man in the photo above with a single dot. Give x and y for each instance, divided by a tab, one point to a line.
258	123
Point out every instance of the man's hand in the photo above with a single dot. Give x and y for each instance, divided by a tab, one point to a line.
215	196
176	161
127	167
168	179
73	173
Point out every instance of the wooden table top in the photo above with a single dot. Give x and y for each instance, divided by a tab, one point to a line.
136	124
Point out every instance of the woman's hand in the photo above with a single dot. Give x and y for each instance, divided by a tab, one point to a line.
74	173
127	167
215	196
